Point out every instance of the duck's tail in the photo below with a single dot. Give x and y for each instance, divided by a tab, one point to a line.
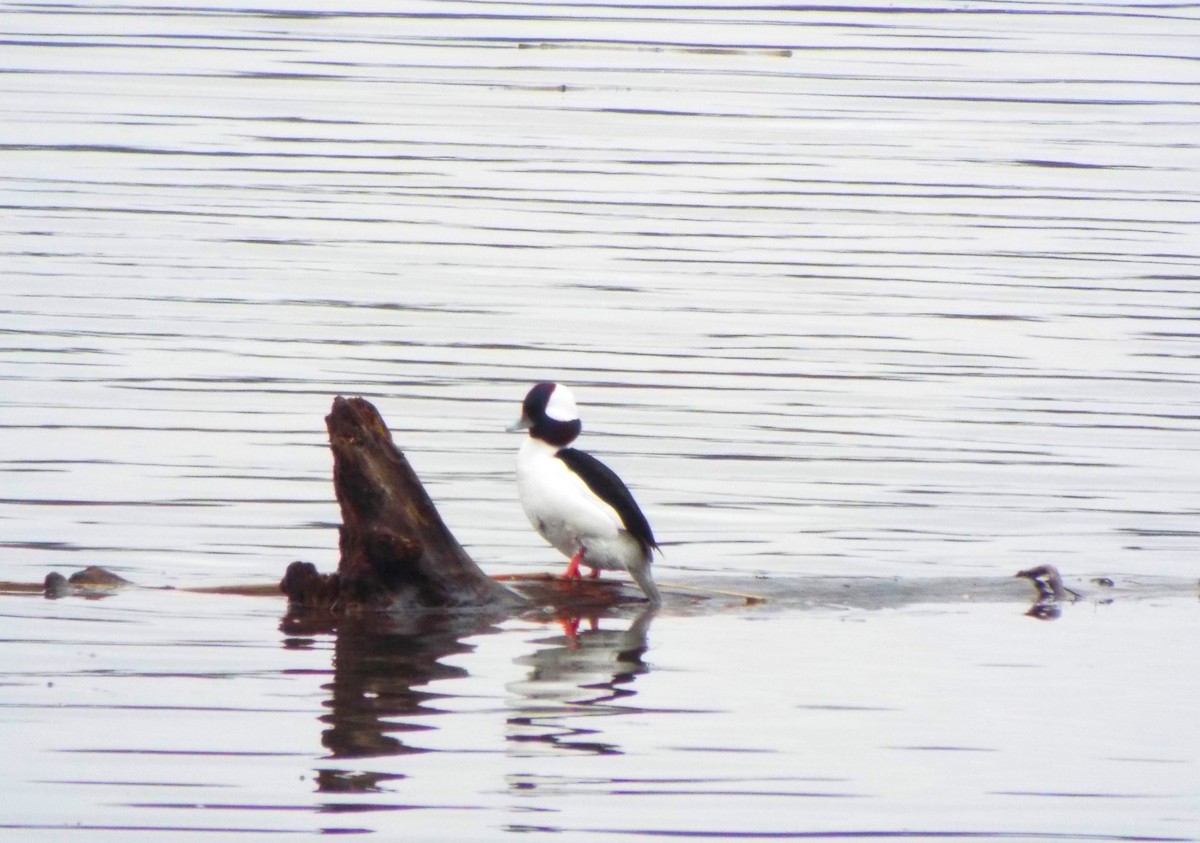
645	580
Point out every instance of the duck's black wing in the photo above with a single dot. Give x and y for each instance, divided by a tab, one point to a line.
607	486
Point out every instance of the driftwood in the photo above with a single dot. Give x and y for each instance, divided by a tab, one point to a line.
396	553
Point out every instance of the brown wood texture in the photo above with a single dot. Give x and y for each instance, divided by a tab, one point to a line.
395	550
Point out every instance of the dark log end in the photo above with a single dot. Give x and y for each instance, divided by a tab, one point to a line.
307	588
395	551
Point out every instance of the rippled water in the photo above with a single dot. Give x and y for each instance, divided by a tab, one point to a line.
860	290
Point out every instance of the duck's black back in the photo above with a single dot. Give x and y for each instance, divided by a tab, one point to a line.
607	486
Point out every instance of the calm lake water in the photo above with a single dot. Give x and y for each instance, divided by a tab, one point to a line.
903	292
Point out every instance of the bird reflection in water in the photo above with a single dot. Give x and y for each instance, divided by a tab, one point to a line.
579	674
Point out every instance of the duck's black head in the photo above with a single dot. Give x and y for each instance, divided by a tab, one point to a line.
548	413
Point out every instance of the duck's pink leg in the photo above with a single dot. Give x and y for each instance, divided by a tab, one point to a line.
595	573
572	572
570	628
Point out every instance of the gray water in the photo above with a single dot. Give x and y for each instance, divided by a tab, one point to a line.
870	291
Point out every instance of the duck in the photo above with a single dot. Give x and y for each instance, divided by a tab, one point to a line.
574	501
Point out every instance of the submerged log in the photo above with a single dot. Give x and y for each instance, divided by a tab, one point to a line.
398	555
395	551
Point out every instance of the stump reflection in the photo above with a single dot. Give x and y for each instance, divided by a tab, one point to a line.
382	665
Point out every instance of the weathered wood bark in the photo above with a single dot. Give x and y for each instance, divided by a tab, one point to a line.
397	554
395	550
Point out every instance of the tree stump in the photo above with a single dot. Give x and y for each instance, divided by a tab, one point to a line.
396	553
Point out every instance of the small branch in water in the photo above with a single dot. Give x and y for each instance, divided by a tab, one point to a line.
749	599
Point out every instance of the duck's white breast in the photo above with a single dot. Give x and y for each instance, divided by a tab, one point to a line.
558	503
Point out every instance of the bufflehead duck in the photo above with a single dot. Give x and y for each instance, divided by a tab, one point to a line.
573	500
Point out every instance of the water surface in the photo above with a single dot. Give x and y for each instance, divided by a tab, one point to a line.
902	292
